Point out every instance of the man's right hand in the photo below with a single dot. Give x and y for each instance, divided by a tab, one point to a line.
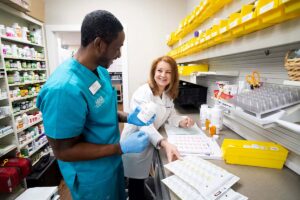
135	143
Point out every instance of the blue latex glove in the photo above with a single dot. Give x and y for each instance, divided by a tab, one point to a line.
135	143
133	119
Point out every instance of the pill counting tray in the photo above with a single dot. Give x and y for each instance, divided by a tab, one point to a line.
208	179
186	192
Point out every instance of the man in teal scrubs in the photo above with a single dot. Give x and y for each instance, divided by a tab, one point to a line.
80	114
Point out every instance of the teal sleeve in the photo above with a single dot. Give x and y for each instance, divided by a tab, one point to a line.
64	111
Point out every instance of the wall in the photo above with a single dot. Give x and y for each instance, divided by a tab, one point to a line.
37	9
148	23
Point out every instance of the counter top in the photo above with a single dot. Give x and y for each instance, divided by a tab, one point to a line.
256	183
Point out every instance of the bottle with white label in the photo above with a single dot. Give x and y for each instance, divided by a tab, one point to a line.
203	114
148	110
217	116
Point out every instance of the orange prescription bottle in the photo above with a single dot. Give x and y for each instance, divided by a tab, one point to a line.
207	122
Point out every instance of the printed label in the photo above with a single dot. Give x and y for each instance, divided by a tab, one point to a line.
214	34
95	87
266	8
233	24
223	29
247	17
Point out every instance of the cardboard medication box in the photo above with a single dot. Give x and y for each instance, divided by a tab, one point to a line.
254	153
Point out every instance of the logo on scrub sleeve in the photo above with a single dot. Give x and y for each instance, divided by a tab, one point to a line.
99	102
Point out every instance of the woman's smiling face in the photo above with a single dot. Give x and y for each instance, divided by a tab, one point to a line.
162	74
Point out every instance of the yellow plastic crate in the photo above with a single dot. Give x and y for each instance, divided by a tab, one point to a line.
235	24
249	20
291	8
224	33
254	153
269	12
188	70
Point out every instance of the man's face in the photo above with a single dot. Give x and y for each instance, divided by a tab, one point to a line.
113	51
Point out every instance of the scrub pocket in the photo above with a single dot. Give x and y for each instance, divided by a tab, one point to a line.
112	188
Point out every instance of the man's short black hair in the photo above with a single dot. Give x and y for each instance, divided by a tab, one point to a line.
100	23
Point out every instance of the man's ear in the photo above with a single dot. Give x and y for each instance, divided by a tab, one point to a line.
100	45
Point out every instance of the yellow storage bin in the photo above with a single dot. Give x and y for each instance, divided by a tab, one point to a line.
235	24
269	12
189	69
254	153
224	33
249	20
291	8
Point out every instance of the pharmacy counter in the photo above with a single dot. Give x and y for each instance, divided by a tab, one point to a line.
256	183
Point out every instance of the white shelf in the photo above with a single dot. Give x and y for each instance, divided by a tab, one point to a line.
193	77
24	111
7	149
28	83
277	35
219	73
17	40
40	69
28	126
3	98
38	148
292	83
22	98
29	141
29	59
5	134
4	116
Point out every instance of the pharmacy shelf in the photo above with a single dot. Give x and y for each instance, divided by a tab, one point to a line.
31	140
4	116
277	35
3	98
12	69
6	149
28	126
28	83
24	111
39	158
219	73
17	40
38	148
18	58
193	77
22	98
292	83
5	134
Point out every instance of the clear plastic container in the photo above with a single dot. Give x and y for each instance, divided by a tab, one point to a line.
217	116
203	114
147	111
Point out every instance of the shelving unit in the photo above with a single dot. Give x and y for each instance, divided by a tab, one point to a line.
263	50
23	64
193	77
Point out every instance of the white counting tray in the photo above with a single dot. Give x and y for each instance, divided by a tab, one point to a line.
186	192
208	179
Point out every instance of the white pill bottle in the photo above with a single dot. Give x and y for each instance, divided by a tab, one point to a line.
203	114
217	116
148	110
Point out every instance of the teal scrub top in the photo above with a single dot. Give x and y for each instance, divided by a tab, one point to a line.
71	106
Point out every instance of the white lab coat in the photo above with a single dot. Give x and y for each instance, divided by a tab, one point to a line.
137	165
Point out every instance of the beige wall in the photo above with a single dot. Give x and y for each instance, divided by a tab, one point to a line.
148	22
37	9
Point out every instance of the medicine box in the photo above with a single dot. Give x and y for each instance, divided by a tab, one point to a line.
254	153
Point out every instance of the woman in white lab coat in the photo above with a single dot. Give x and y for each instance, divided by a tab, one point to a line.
161	89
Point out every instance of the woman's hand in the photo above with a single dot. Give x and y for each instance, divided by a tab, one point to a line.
171	150
186	123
